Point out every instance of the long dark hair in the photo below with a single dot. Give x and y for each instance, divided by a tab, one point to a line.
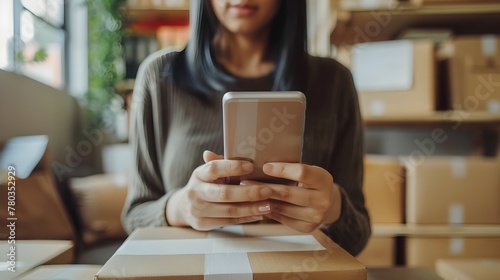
194	69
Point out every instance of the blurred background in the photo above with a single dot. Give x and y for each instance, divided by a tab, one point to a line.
428	77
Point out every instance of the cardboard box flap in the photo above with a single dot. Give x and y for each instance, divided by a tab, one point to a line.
29	254
74	272
24	153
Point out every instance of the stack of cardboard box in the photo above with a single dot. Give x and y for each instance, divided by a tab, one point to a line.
417	78
447	192
384	199
457	192
400	77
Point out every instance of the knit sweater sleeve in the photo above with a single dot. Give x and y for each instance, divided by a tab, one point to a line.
352	230
147	197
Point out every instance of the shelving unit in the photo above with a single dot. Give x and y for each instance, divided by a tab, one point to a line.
395	230
359	25
145	20
152	25
153	13
350	23
483	119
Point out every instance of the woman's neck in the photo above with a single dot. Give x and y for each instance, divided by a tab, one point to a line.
242	55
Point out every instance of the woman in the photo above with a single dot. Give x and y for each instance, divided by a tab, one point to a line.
177	128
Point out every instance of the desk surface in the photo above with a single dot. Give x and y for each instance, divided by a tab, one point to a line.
399	273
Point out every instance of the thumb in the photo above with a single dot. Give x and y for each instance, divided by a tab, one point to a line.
209	156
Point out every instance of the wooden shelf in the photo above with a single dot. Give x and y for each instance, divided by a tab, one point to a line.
382	230
152	13
451	117
358	25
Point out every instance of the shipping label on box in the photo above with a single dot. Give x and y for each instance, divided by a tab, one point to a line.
383	188
395	78
453	190
235	252
425	251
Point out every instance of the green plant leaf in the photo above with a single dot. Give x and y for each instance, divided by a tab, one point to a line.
105	53
40	55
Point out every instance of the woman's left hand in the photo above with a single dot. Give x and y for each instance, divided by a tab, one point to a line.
315	201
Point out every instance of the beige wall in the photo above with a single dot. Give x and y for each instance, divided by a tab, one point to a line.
28	107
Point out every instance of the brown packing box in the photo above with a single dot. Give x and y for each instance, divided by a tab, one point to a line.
469	269
254	249
474	73
61	272
29	254
37	210
379	252
453	190
384	189
421	98
425	251
100	199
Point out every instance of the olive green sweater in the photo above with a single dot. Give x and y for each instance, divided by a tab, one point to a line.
171	128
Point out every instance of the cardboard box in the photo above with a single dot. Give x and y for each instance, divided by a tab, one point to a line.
99	200
474	73
453	190
32	253
395	77
425	251
469	269
27	185
62	272
384	189
379	252
258	251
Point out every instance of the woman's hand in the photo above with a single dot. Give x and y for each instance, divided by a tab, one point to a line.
315	201
206	202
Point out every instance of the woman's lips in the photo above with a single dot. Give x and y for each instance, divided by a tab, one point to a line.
243	10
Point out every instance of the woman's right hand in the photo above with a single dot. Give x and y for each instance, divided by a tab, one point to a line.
206	202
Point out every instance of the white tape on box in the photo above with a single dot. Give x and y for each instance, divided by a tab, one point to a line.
458	167
456	246
227	266
494	106
456	214
489	45
377	107
219	245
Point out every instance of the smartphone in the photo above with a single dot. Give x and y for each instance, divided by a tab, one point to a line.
263	127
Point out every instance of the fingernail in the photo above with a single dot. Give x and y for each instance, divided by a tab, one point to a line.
266	192
268	168
247	166
260	218
265	208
